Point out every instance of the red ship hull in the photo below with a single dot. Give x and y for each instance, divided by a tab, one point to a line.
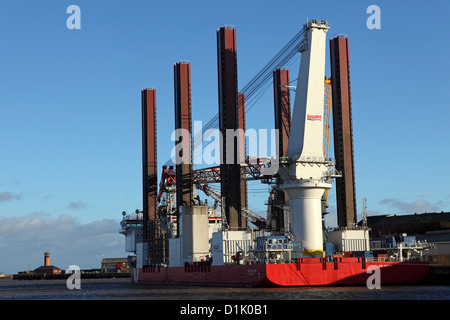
305	272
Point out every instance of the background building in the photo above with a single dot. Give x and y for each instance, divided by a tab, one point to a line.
47	269
115	265
425	225
432	228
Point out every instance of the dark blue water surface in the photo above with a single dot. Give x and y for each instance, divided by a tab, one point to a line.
122	299
123	289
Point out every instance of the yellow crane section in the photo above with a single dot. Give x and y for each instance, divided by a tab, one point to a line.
326	126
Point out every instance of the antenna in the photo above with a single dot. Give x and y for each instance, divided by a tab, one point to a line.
364	207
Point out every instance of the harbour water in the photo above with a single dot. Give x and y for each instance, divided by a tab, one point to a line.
123	289
119	298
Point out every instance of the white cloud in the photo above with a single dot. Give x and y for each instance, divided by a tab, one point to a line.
77	205
8	196
418	206
23	241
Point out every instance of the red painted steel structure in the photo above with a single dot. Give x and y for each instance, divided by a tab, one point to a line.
304	272
228	119
149	158
282	103
242	152
343	131
282	108
183	116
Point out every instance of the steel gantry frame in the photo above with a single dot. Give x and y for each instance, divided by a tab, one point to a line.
343	131
149	158
183	123
228	119
232	115
282	115
252	169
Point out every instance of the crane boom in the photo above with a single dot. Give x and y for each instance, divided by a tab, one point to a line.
306	177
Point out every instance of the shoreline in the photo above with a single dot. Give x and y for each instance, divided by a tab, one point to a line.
65	276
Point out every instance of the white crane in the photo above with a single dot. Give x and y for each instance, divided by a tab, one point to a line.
305	176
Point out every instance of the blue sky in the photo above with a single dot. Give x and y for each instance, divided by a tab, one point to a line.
70	123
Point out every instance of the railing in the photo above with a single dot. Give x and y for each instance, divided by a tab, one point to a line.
353	227
329	259
382	259
404	245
